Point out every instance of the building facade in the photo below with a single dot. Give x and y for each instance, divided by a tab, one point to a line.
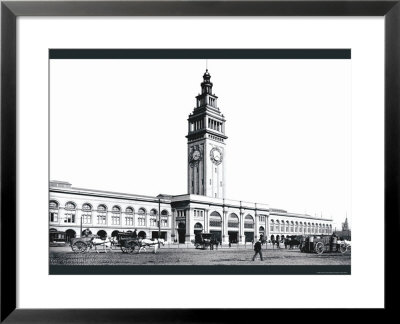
178	218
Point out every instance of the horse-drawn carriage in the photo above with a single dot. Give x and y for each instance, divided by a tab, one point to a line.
81	244
126	241
205	240
85	243
292	241
322	243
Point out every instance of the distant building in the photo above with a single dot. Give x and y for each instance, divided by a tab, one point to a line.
345	233
179	218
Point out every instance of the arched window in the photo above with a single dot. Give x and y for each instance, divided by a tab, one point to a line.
215	219
70	211
296	227
312	228
86	214
198	226
53	211
283	226
249	222
69	234
287	226
164	218
153	218
102	234
291	226
233	220
101	214
116	215
142	217
261	230
271	226
129	216
277	226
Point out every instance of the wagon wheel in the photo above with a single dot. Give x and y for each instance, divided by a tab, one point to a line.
129	247
79	247
342	248
319	248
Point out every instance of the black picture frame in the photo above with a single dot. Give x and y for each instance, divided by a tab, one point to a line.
10	10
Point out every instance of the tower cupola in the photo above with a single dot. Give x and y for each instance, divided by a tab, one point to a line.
206	85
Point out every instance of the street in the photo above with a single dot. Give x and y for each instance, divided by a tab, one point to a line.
191	256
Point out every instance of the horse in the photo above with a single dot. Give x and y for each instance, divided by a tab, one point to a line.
106	243
263	240
114	241
150	243
293	243
275	242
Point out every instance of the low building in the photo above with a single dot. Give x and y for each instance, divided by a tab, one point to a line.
177	218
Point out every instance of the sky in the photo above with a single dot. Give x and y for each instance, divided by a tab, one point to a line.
120	125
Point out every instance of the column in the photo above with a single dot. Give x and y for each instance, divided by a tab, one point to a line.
256	230
78	215
206	221
241	226
225	236
189	226
172	224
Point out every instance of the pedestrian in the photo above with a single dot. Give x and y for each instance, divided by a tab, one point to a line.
257	250
277	244
134	234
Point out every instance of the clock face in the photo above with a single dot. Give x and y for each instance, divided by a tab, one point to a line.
216	155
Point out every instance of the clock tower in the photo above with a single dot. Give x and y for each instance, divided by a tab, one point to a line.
206	145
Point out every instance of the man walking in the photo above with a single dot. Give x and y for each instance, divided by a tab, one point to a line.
257	249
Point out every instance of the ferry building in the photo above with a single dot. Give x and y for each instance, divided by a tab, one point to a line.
203	209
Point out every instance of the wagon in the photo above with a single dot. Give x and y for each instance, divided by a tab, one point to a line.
205	240
127	242
81	244
322	243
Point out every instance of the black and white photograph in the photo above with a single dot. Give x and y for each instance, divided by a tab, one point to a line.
200	161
